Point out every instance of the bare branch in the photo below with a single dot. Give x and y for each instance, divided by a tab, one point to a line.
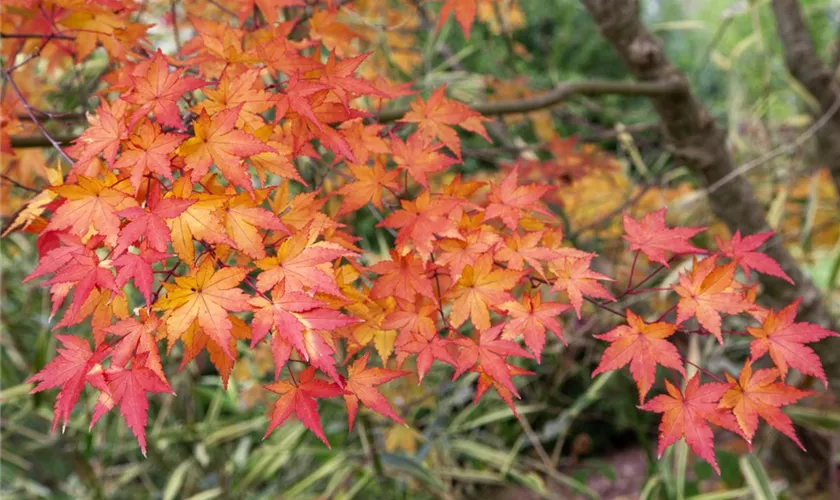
53	36
559	94
35	120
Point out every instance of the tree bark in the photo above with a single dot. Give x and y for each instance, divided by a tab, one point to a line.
805	65
700	143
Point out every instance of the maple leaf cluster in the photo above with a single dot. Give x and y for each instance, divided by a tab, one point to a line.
705	293
205	210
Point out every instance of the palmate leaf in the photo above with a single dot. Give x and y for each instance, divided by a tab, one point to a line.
231	183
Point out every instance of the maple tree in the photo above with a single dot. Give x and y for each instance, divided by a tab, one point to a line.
187	185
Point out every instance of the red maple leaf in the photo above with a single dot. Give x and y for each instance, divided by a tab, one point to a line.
574	277
138	267
419	157
465	11
402	277
420	221
158	91
485	382
216	142
742	252
149	151
489	353
295	319
299	398
148	223
509	201
128	389
654	238
643	346
361	386
75	365
785	340
531	318
687	414
436	117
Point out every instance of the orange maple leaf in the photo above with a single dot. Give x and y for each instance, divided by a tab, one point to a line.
761	394
642	345
531	318
480	285
90	208
686	414
361	386
436	116
216	142
785	340
707	292
206	296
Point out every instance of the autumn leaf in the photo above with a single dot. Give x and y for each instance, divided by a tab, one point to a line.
686	415
299	263
489	353
90	208
464	11
785	341
480	285
653	238
574	277
361	386
420	221
138	267
510	202
642	345
436	116
149	223
107	129
158	91
706	293
485	382
368	186
206	295
761	394
74	366
217	142
531	318
149	151
299	398
742	252
244	92
201	221
244	219
402	277
419	157
128	388
295	318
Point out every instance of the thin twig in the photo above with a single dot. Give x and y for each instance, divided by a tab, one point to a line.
35	120
53	36
786	148
18	184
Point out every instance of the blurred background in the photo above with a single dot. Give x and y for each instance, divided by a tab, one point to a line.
577	437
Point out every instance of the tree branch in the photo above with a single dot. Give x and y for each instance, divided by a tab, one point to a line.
53	36
700	144
559	94
805	65
30	110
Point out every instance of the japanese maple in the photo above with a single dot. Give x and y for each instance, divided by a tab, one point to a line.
221	180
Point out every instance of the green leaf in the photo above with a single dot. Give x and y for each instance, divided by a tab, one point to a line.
757	479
